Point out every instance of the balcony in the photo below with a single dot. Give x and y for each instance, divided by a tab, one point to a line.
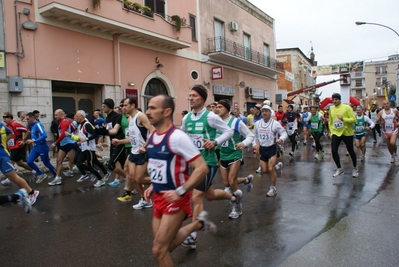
113	18
234	54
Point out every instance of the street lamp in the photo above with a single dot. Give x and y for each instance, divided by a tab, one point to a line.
358	23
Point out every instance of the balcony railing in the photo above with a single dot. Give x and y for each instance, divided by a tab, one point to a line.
221	44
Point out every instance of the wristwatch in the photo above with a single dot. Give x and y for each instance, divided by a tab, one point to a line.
216	143
180	191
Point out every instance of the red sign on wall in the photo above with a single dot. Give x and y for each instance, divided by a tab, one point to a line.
131	93
217	73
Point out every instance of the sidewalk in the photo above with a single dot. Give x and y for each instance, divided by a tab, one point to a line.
368	237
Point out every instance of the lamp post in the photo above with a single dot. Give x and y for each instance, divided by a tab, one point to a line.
358	23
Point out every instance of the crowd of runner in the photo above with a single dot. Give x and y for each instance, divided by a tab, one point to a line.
154	156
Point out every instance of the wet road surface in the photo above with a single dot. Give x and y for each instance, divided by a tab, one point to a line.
76	224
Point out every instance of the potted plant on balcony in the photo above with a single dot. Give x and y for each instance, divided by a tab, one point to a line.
147	11
177	21
137	7
128	4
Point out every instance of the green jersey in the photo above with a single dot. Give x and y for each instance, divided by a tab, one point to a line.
316	124
360	126
125	129
198	130
228	150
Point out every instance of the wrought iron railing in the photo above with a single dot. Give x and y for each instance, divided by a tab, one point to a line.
221	44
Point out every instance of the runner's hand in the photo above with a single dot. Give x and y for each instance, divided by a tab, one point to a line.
148	193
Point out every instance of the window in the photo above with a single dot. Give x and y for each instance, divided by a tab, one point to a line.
266	54
359	83
247	46
381	70
219	35
193	28
157	6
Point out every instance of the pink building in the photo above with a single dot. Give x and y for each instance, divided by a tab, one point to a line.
72	54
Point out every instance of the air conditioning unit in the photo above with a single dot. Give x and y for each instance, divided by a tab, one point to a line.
248	91
233	26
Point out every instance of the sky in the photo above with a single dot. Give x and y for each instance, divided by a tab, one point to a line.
330	26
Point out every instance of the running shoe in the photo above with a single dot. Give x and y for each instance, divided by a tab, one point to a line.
227	189
258	170
338	172
313	145
68	173
393	159
83	178
106	177
6	182
375	141
236	211
56	181
114	183
33	197
99	183
279	167
238	195
355	173
248	183
291	153
347	154
125	197
272	192
134	192
304	143
24	200
40	178
207	224
190	242
142	205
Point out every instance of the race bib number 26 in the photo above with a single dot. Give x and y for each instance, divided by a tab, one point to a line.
157	171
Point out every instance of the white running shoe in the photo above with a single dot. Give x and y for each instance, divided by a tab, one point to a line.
393	159
338	172
6	182
355	173
24	200
249	183
68	173
142	205
227	189
33	196
258	170
99	183
56	181
82	178
40	178
236	211
272	192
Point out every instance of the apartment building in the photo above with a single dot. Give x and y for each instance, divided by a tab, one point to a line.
297	75
72	54
379	76
238	52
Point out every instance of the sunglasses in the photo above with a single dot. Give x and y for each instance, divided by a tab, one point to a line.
5	117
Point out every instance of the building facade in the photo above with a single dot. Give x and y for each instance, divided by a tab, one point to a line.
380	77
297	75
72	54
238	52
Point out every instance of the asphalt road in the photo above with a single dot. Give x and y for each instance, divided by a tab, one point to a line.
75	224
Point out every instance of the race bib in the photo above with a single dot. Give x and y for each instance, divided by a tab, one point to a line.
290	125
109	126
359	129
198	140
389	127
338	124
133	141
10	142
264	135
225	143
157	171
314	125
127	132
